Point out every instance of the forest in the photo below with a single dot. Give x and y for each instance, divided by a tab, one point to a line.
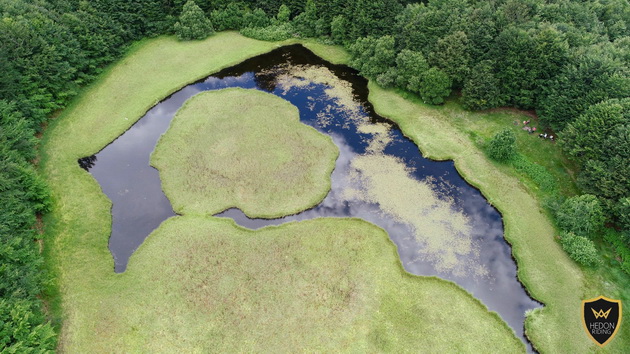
569	61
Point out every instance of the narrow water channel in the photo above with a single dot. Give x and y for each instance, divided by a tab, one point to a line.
482	264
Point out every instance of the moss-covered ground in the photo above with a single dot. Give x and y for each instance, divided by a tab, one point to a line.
202	283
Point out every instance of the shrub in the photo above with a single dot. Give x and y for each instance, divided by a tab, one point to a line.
270	33
581	215
580	249
23	328
192	24
544	179
502	147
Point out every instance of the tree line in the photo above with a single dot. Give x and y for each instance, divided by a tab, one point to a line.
567	60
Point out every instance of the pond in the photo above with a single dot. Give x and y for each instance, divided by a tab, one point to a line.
440	224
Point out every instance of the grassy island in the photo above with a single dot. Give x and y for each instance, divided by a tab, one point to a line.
245	149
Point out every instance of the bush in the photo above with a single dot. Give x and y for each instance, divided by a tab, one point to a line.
580	249
270	33
192	24
544	179
581	215
502	147
23	328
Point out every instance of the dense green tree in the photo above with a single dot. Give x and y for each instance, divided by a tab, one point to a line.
516	66
420	26
193	23
481	90
600	141
284	14
306	22
581	215
373	17
502	146
481	30
256	19
340	29
580	249
433	86
409	65
589	78
229	18
451	55
622	211
373	56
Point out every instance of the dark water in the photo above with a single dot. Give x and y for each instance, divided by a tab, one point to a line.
139	205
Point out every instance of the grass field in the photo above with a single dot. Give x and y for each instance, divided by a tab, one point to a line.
204	284
155	305
245	149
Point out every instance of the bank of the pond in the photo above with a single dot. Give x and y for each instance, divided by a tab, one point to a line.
544	268
90	294
245	149
77	229
326	285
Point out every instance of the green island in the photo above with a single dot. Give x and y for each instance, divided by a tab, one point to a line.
459	78
245	149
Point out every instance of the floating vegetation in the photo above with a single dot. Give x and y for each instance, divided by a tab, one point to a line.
443	231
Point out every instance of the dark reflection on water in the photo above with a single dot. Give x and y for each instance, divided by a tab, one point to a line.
139	205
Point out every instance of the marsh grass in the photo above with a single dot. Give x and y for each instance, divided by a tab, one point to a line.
245	149
319	285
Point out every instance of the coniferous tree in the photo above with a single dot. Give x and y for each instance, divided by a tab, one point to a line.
481	90
193	23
